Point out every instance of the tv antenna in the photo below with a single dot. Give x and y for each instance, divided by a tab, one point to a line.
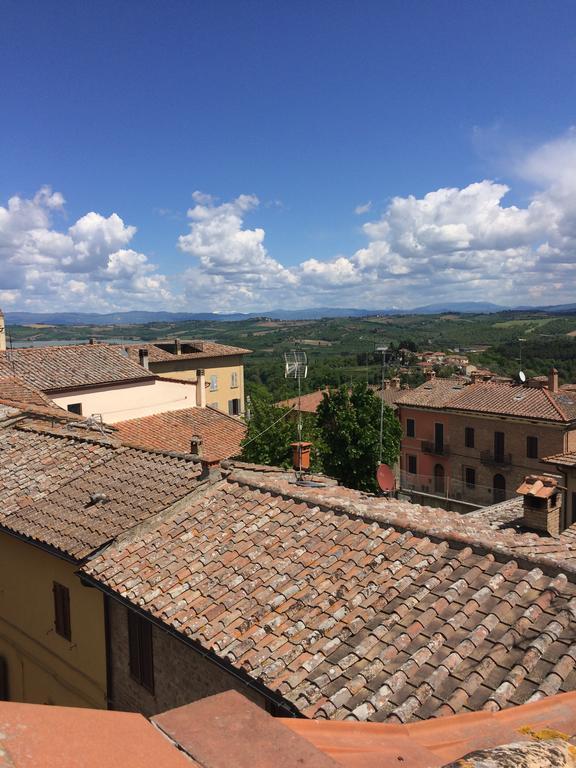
383	349
296	367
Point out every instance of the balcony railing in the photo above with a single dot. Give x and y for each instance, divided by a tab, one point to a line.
491	459
438	449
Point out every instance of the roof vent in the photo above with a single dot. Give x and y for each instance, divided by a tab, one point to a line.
96	498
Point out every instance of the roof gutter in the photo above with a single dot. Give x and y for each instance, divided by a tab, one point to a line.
243	677
97	385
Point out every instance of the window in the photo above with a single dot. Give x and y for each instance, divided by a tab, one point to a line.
412	464
4	690
470	477
439	438
234	379
75	408
498	489
140	648
469	437
213	383
233	407
410	428
499	446
62	610
532	447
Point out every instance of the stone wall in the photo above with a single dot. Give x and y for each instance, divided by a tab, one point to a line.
181	675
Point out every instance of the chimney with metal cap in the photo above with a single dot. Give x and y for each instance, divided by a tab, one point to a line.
542	503
201	388
143	356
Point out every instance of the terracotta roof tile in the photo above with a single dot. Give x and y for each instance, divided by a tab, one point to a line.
203	350
493	398
392	639
55	368
75	493
221	434
15	393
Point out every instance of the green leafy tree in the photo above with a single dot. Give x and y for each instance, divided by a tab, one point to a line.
349	430
269	434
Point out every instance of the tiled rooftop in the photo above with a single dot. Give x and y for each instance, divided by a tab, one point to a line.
75	493
333	600
562	459
221	434
15	393
51	369
493	398
309	403
191	350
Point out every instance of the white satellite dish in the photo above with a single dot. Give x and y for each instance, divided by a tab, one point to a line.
522	376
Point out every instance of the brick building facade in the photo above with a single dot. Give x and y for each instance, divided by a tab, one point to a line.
475	443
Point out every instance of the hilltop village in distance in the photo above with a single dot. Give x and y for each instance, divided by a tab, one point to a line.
174	577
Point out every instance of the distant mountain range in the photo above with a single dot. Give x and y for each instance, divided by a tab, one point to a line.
141	317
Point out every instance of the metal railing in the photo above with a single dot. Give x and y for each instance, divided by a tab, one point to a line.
439	449
491	459
454	488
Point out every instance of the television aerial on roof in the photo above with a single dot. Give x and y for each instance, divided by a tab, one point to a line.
296	367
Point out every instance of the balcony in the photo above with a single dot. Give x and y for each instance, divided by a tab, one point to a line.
491	459
438	449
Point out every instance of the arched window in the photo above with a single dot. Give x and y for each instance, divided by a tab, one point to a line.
438	478
498	488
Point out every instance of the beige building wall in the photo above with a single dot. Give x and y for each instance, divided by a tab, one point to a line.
130	401
42	666
224	369
551	439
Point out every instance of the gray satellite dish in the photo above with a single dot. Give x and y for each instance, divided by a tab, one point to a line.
522	376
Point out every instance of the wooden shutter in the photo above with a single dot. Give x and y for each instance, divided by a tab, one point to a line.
4	690
62	610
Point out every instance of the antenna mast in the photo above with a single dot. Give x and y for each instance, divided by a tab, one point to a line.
383	349
296	367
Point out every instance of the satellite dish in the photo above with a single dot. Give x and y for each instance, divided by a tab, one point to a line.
385	478
522	376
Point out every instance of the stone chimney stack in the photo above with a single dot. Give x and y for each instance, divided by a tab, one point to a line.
553	380
386	383
177	347
2	332
430	375
196	445
542	504
143	357
201	388
395	382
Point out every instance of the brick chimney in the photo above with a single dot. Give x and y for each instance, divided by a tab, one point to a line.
395	382
2	332
143	357
553	380
542	504
201	388
430	375
301	456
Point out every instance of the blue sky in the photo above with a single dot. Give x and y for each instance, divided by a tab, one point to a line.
446	125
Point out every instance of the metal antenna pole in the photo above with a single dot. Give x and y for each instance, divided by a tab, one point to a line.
383	350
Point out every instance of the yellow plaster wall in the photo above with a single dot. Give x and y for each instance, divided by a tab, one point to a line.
43	667
222	368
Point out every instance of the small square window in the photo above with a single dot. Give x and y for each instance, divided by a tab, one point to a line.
410	428
412	466
75	408
469	437
62	610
